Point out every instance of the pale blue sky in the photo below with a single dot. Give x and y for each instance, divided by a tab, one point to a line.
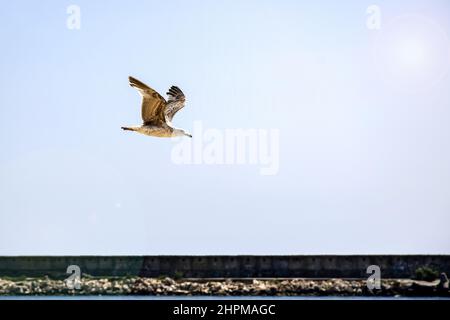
364	134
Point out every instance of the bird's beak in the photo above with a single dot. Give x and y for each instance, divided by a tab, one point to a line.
189	135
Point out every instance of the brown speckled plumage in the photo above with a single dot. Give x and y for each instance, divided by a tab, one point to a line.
157	113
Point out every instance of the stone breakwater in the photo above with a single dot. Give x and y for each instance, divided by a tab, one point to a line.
273	287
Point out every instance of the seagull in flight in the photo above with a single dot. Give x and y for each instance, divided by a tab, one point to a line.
157	113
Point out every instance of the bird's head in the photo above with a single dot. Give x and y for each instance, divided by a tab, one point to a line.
181	132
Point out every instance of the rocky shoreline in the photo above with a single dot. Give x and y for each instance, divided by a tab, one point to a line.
272	287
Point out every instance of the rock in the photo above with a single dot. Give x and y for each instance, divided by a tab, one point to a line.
168	286
443	282
168	281
422	288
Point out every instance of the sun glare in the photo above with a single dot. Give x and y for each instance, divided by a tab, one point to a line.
411	53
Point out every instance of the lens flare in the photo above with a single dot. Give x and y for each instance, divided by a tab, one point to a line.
412	53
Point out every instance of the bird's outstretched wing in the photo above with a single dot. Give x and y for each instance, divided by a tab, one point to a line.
175	102
153	104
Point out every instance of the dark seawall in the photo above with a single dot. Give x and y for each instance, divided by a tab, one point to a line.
240	266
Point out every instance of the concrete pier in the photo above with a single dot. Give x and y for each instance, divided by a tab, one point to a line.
241	266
